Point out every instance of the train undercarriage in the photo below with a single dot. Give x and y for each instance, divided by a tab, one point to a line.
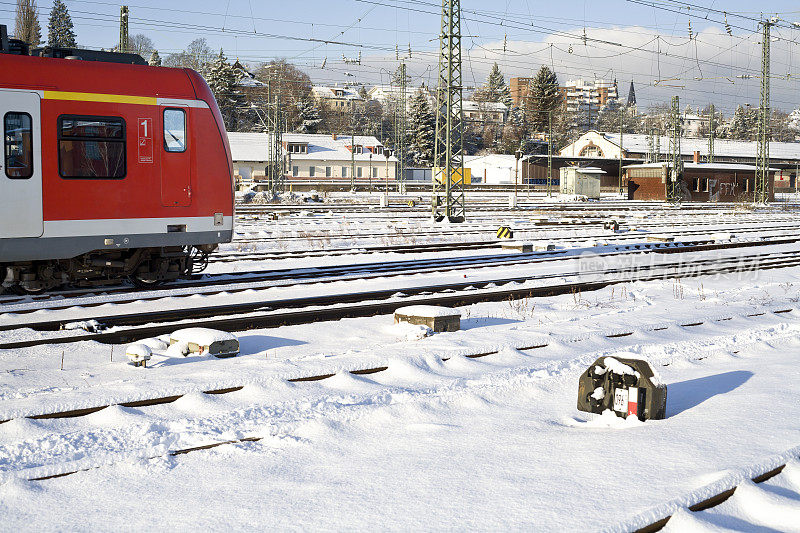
144	267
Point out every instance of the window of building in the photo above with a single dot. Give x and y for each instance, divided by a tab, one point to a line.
91	147
344	172
696	184
359	172
312	171
379	150
591	151
174	130
297	148
374	172
328	172
18	140
358	149
295	170
704	184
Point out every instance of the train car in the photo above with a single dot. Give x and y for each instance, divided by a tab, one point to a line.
111	171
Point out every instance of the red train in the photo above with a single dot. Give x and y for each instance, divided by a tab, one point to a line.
111	171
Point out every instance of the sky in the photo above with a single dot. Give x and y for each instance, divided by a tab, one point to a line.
625	40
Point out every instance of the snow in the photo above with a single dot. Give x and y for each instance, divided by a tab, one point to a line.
427	311
438	440
201	336
138	352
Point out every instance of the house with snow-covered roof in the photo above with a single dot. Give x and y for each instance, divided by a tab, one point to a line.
312	157
597	144
320	156
342	100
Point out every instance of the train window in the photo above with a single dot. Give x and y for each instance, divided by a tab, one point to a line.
174	130
18	141
91	147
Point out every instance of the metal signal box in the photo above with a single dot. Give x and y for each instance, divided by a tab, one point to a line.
628	387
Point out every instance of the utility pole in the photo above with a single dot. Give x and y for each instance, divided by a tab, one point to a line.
650	142
621	111
711	127
400	129
353	147
676	164
762	159
549	154
448	153
274	125
123	29
657	137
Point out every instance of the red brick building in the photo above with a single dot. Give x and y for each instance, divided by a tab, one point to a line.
702	182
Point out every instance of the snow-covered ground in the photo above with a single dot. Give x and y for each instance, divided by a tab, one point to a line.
437	441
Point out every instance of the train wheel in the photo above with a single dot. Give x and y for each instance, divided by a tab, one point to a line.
143	282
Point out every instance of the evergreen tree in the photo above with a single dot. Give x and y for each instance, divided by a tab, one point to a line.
155	59
221	78
26	24
422	126
543	98
397	78
745	124
309	116
495	89
59	29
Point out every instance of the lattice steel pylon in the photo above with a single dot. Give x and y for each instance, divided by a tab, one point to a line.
400	131
676	163
449	148
123	29
621	149
711	127
277	172
762	159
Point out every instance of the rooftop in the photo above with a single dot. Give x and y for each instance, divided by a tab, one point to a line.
722	147
247	146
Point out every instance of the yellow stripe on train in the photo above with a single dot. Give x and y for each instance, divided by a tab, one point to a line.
99	97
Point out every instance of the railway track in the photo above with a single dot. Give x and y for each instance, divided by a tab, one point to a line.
247	281
309	237
699	501
204	280
368	368
273	313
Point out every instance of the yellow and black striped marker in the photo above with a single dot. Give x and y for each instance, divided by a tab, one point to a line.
504	232
411	203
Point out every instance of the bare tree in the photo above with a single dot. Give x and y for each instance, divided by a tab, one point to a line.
26	24
141	44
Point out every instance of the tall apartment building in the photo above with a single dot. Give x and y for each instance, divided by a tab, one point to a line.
577	94
588	95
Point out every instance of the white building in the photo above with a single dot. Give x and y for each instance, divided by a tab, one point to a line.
485	112
321	157
494	169
250	153
339	99
588	95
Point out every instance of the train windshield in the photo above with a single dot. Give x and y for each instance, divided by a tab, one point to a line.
174	130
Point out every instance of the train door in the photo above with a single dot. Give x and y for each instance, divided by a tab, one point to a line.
21	165
176	163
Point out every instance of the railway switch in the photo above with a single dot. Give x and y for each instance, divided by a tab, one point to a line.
627	387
